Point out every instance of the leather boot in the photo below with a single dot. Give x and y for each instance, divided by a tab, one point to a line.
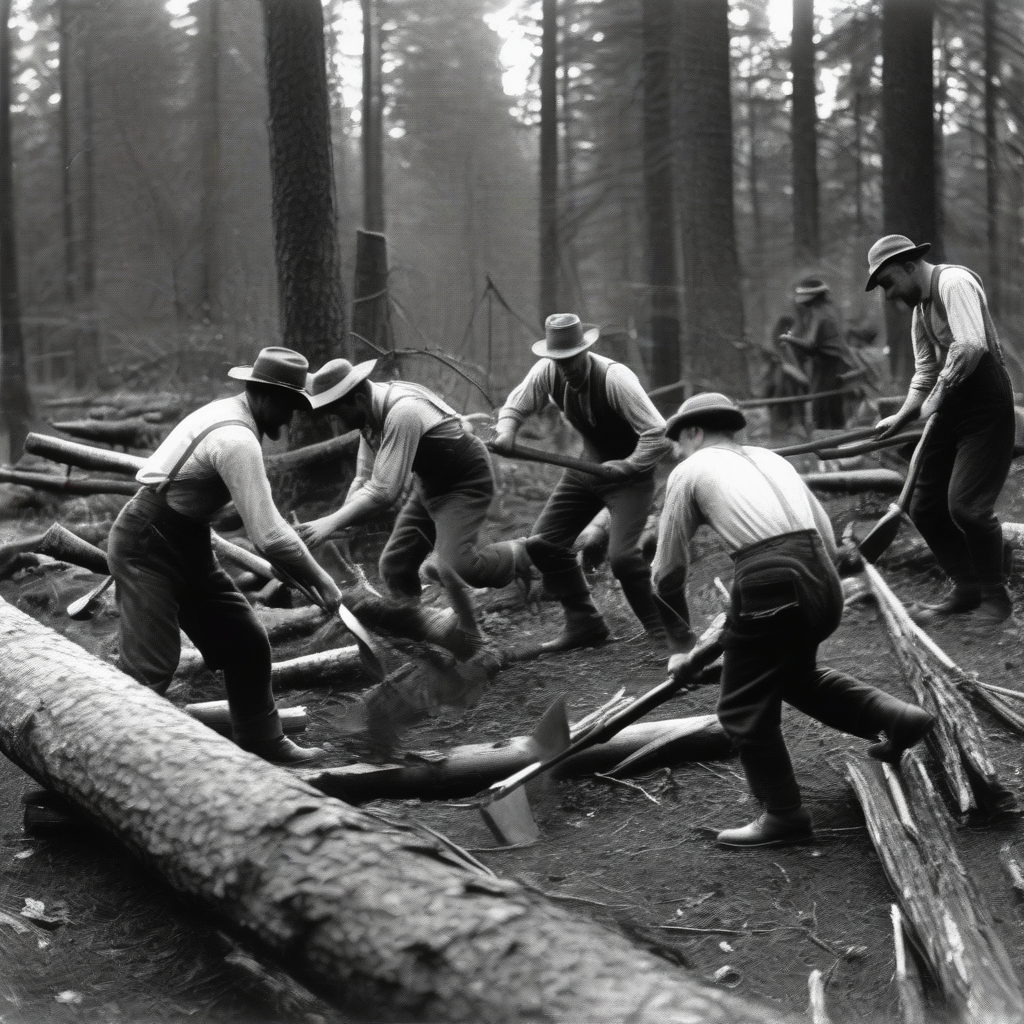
584	626
263	736
640	598
676	619
964	597
772	828
995	607
564	580
909	727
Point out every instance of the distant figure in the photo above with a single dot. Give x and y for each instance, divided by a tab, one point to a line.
785	377
959	373
817	333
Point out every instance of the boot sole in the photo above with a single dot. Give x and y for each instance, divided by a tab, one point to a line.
784	841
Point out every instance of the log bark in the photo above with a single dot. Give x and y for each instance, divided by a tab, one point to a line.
908	980
339	668
371	317
957	740
466	770
369	913
949	917
855	481
53	483
131	433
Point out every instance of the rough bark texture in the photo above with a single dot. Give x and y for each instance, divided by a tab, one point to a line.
804	136
305	227
993	291
659	197
15	403
373	122
549	247
713	318
947	914
372	915
371	321
55	483
909	200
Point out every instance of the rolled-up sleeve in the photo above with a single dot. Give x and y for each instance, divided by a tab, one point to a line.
531	395
680	517
628	398
392	465
926	363
962	296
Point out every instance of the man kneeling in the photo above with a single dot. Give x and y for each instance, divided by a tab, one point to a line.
786	599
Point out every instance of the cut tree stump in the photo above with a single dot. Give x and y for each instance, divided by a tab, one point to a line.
956	740
947	914
374	915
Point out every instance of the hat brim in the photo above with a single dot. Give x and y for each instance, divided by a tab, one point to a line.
903	254
245	373
725	419
591	332
806	294
356	376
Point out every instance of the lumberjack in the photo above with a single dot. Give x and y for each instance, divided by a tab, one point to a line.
785	600
958	364
405	430
166	573
621	429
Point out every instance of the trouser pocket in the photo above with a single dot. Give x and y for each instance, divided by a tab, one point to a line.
767	595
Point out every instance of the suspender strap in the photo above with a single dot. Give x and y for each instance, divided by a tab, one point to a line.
787	508
192	445
991	335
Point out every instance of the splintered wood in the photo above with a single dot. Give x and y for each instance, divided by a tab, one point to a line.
938	684
944	911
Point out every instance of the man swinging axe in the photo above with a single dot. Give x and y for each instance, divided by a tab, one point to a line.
786	599
958	363
165	570
622	429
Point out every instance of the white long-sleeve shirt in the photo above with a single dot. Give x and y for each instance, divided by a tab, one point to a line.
227	465
716	486
625	395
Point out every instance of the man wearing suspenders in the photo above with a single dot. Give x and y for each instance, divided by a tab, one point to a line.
166	574
959	371
622	429
407	429
786	599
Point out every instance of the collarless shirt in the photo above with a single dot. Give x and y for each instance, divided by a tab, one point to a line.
717	487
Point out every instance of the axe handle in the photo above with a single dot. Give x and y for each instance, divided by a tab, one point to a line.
528	454
903	501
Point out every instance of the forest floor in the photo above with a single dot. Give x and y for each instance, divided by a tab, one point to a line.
640	858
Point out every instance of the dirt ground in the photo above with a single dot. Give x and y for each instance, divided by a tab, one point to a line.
639	857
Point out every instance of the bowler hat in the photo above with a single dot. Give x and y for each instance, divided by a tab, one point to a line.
809	288
711	409
565	336
276	365
335	379
889	248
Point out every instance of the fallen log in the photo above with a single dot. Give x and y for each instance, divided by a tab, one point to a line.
374	915
854	481
57	484
313	454
340	667
57	542
135	432
956	740
465	770
214	714
947	913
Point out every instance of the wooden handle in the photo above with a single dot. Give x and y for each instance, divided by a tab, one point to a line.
915	463
519	451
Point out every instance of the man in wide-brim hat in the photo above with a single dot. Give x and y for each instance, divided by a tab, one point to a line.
959	373
786	599
408	431
166	573
622	429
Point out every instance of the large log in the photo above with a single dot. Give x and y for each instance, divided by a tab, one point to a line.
950	919
854	481
466	770
373	915
937	681
55	483
135	432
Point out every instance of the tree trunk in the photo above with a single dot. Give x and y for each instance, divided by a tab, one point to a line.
713	317
992	284
373	915
67	206
908	149
372	122
371	318
804	137
659	193
549	241
305	229
209	210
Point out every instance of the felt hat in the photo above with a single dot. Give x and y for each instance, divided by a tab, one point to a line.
335	379
711	408
889	248
276	365
565	336
809	289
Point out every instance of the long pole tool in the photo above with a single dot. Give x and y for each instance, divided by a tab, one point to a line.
883	533
505	807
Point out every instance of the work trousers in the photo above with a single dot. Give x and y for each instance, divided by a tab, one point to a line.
167	577
963	468
576	499
786	599
444	514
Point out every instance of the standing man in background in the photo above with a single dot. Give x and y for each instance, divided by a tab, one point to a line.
958	369
622	429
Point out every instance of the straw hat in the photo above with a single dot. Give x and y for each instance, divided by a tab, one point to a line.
275	365
565	336
711	409
889	248
809	289
335	379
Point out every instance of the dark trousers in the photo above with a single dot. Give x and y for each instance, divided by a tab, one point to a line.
828	412
963	469
444	514
786	599
168	577
576	499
